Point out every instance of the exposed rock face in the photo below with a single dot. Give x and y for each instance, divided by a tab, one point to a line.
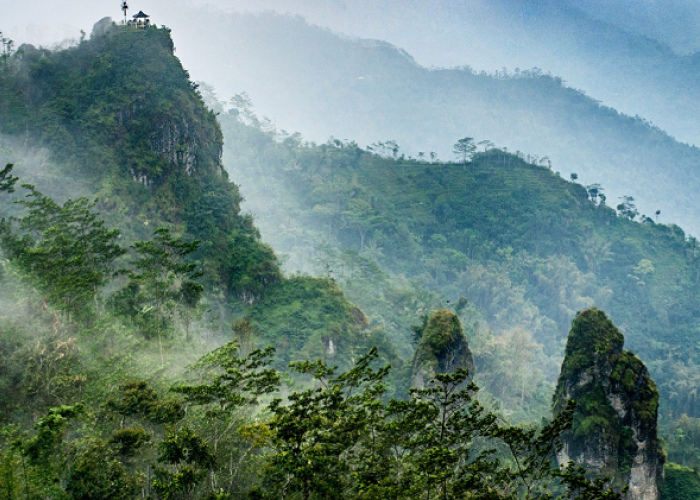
614	428
175	142
442	348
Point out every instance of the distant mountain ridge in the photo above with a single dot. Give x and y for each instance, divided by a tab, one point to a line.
311	80
616	51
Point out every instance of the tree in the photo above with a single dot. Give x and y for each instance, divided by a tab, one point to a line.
189	297
361	215
188	460
45	453
86	480
229	385
64	250
594	191
311	458
230	381
640	272
627	208
160	279
464	149
7	180
7	49
487	145
341	439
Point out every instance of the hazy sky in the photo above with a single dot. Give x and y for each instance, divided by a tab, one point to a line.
431	23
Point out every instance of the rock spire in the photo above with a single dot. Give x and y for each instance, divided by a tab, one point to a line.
614	429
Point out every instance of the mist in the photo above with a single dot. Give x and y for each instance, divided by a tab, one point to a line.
624	54
451	155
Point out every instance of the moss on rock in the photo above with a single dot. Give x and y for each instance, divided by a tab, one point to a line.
442	348
681	483
614	428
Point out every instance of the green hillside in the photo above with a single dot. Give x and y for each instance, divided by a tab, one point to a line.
120	110
151	346
525	246
124	292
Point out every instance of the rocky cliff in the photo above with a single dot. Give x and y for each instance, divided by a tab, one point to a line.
614	429
442	348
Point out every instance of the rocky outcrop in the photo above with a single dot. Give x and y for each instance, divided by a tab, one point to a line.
155	113
442	348
175	142
614	428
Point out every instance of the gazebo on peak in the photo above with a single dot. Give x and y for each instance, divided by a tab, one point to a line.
141	20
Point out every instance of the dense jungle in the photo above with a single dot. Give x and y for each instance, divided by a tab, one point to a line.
371	325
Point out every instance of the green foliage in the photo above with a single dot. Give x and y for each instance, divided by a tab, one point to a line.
627	208
135	398
680	483
65	251
10	461
50	428
96	474
189	458
222	391
252	265
128	441
442	347
231	381
44	455
306	317
185	447
595	417
160	277
526	247
339	439
683	442
464	149
426	109
120	111
7	181
442	329
593	340
630	375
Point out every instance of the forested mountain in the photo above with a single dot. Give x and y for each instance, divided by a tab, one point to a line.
313	81
119	113
151	345
125	257
524	245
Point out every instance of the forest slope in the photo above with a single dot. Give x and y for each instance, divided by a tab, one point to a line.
117	119
103	394
525	246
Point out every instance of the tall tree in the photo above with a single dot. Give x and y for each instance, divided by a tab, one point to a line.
161	278
64	250
464	149
7	180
